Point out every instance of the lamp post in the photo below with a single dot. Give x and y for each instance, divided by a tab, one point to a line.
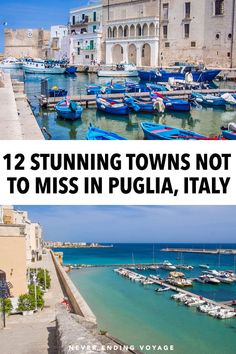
35	290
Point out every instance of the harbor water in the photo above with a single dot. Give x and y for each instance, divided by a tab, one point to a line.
202	120
138	315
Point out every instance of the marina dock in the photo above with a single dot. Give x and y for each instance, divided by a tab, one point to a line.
163	283
201	250
90	100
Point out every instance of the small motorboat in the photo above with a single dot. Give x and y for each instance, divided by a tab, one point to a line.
67	109
154	131
205	266
162	288
173	104
39	66
94	89
57	92
121	70
94	133
111	106
208	100
229	132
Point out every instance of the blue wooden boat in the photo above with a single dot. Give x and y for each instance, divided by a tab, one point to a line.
57	92
156	87
208	100
93	89
141	105
173	104
71	70
164	75
94	133
154	131
68	110
229	134
108	105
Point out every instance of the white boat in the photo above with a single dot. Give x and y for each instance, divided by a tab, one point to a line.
43	67
194	302
121	70
206	266
167	266
224	279
11	63
163	288
208	307
207	278
223	314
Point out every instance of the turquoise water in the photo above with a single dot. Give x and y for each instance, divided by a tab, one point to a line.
138	315
201	120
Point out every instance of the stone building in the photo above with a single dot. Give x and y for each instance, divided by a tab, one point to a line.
26	43
131	32
32	231
85	34
198	31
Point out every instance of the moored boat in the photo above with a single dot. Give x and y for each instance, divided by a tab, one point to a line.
173	104
94	133
154	131
10	63
71	69
67	109
208	100
121	70
145	105
161	75
44	67
229	132
57	92
111	106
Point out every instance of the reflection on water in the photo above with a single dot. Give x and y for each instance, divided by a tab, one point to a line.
202	120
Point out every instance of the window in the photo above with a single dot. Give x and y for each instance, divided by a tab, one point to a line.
193	44
78	51
229	36
78	44
165	31
165	11
86	56
228	55
73	20
95	16
91	45
167	44
94	28
219	7
186	30
217	35
187	9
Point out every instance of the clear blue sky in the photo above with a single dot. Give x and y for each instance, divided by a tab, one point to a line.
205	224
35	14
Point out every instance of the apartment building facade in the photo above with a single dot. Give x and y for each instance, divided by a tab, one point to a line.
85	35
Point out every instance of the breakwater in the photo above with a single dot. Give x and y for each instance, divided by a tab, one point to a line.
230	251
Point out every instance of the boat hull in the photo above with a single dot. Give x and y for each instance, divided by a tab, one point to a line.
94	133
102	106
40	70
65	112
163	132
228	134
198	76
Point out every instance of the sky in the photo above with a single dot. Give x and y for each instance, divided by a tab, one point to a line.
155	224
35	14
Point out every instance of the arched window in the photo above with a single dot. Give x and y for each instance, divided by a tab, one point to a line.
219	7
